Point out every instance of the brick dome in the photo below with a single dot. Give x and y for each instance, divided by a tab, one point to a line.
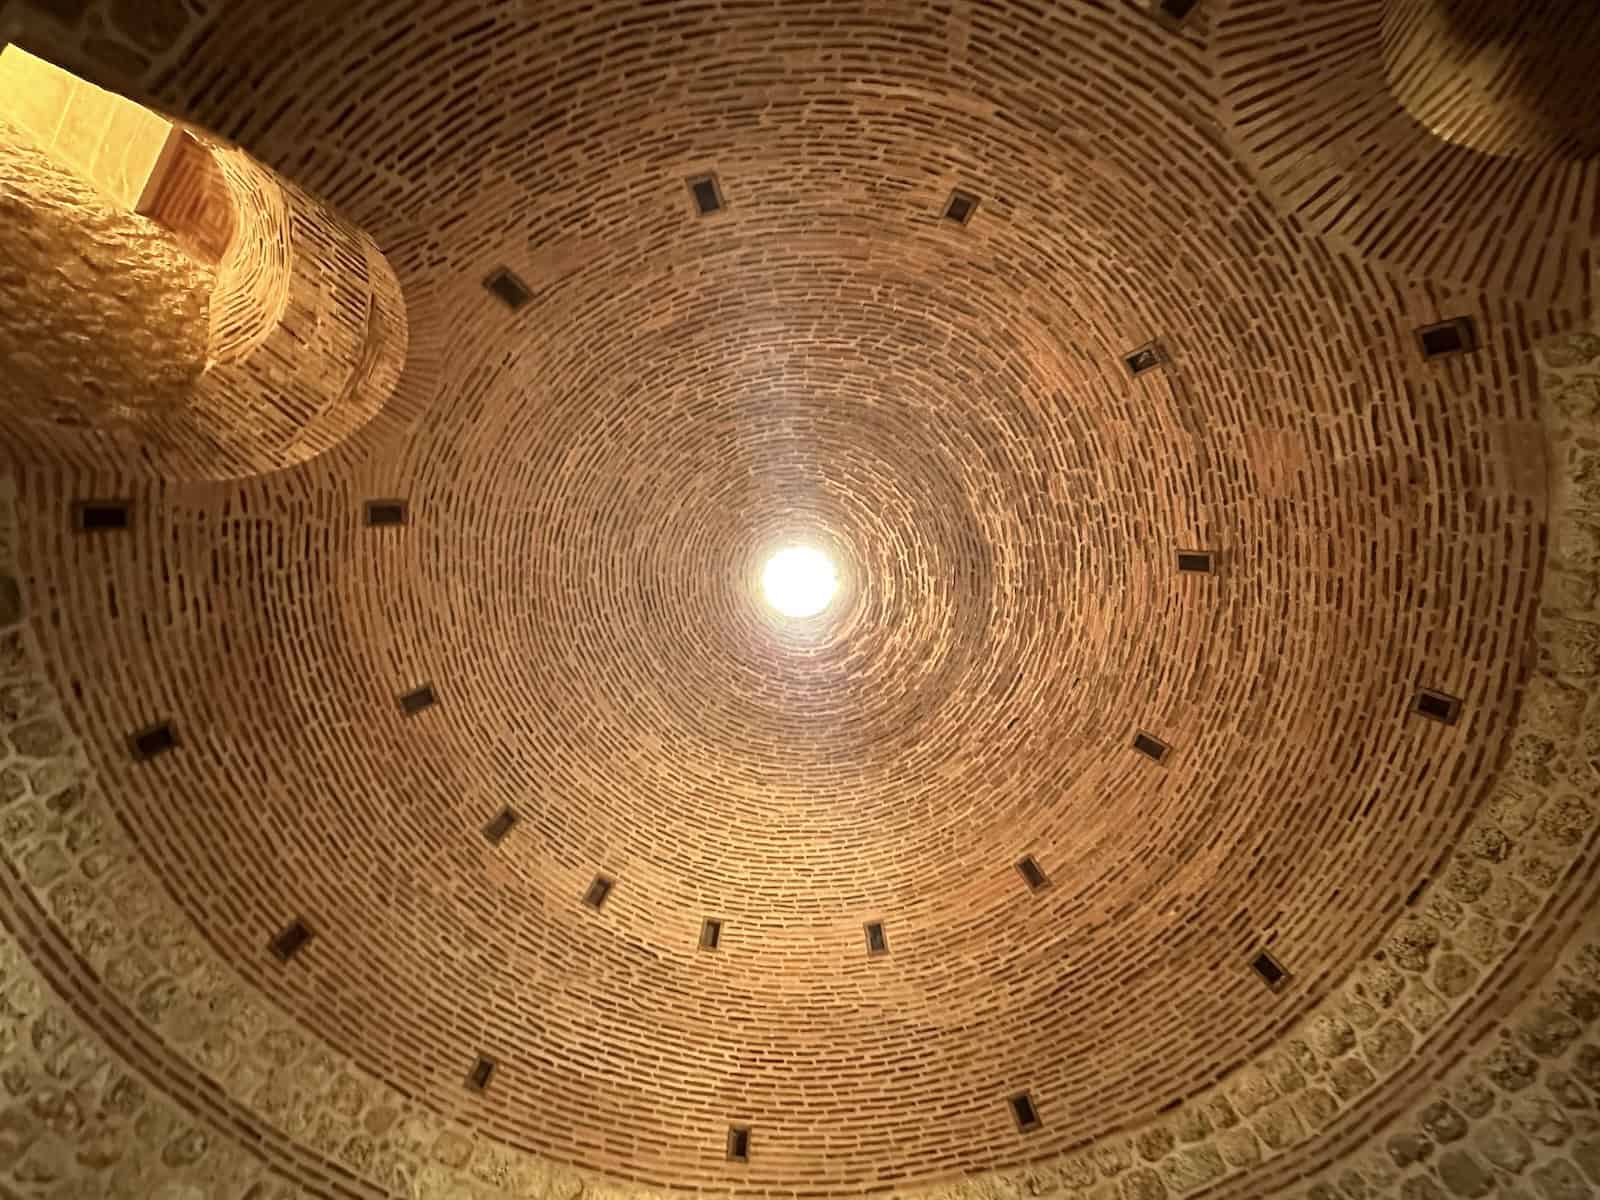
1004	308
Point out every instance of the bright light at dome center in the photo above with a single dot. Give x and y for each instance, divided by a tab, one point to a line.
799	581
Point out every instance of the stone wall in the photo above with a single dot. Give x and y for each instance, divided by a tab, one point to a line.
1518	1119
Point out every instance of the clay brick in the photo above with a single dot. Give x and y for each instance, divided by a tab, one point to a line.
595	480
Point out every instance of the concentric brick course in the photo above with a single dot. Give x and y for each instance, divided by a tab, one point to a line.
231	326
593	482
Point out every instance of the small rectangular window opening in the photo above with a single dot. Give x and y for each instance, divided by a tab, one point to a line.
1022	1108
1177	10
1151	747
381	513
497	829
707	194
877	942
1456	336
710	934
1146	358
1270	970
960	207
158	739
415	701
738	1143
100	516
506	287
598	891
291	940
1437	706
482	1072
1195	560
1033	874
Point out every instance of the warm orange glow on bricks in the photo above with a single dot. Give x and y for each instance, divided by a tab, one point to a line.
409	786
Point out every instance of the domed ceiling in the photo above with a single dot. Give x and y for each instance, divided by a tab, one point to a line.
1034	807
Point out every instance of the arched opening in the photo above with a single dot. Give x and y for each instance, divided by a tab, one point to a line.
181	309
1515	80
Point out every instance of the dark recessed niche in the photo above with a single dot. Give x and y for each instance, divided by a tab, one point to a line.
710	934
1196	561
739	1143
1416	893
1146	358
415	701
1151	747
382	513
877	941
1270	970
1176	11
598	891
1437	706
1455	336
960	207
1024	1110
506	287
495	831
707	193
482	1072
291	940
100	516
157	739
1032	874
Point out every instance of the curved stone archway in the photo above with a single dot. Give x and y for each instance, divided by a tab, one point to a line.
176	305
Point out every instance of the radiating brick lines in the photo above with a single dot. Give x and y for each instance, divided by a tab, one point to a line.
593	484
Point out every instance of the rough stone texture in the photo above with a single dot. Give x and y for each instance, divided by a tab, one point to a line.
69	854
1311	454
1523	1106
125	345
106	317
1539	1130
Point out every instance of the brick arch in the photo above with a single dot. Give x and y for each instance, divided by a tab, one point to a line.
252	287
1292	412
1314	114
263	328
308	326
1512	80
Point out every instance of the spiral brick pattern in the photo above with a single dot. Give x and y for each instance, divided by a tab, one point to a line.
594	481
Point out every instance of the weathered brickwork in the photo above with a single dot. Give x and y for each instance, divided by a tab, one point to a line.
593	483
1509	80
77	1112
1345	114
244	328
